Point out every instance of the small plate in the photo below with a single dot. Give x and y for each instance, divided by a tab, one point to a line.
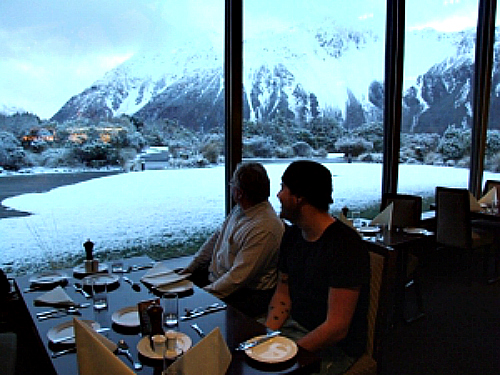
415	230
183	340
80	270
275	350
126	317
101	279
48	278
369	229
66	329
177	287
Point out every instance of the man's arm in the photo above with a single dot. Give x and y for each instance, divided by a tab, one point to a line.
258	252
279	307
204	254
341	307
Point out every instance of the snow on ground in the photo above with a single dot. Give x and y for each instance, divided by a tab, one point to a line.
162	206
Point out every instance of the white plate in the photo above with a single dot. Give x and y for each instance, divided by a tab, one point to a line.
369	229
184	342
415	230
66	329
100	278
48	278
80	270
126	317
278	349
178	287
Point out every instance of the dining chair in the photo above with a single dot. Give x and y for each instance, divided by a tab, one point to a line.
407	212
489	184
382	266
407	209
454	227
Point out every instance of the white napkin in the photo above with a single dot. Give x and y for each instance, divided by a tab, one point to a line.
489	197
95	353
345	220
55	297
474	204
385	217
161	275
210	356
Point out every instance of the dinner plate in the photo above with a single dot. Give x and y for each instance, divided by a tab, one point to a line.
177	287
369	229
66	329
184	342
126	317
275	350
49	278
411	230
80	270
100	279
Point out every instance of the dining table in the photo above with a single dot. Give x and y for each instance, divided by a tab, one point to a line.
234	326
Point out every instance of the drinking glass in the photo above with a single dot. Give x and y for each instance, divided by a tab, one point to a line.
356	219
99	295
170	310
117	267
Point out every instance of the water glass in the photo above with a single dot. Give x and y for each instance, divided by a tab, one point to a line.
117	267
170	303
356	219
99	295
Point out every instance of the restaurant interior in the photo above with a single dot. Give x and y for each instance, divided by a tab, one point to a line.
442	309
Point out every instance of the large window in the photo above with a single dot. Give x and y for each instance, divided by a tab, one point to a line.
134	86
437	95
313	79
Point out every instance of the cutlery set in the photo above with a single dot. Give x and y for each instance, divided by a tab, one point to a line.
254	342
191	314
63	311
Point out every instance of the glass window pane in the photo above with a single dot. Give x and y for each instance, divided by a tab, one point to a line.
134	87
436	122
313	79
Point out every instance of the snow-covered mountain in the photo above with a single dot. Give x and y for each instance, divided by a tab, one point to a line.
300	74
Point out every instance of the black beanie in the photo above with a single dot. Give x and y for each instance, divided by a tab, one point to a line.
310	180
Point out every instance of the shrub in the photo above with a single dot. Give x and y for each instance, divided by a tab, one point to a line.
354	146
455	143
12	155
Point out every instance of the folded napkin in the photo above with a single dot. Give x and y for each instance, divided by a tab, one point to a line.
385	217
345	220
161	275
489	197
210	356
95	353
474	204
56	297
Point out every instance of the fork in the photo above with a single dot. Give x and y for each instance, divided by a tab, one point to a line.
78	287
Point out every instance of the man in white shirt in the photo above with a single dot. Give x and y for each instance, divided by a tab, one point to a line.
238	262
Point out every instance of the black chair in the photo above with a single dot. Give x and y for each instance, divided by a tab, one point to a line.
454	227
407	209
489	184
407	212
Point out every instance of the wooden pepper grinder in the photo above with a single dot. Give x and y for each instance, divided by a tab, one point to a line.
155	313
91	264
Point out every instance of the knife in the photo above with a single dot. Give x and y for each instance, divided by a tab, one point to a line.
62	339
254	342
208	310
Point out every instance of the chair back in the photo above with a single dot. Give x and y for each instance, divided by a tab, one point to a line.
453	225
407	209
489	184
382	267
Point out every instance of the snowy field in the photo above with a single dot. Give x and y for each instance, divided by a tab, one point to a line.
166	206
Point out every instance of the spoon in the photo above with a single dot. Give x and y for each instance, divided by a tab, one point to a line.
135	286
78	287
71	310
123	349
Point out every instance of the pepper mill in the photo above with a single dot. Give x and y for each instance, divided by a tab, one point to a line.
91	264
155	313
345	210
89	248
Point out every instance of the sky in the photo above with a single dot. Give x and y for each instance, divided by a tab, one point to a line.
54	49
165	206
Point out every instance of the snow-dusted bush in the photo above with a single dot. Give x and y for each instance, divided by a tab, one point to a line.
302	149
372	132
284	152
455	143
433	158
257	146
12	155
373	157
492	142
354	146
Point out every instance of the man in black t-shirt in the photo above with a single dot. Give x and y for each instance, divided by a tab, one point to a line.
321	299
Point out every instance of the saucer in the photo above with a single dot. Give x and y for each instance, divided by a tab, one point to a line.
275	350
184	342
